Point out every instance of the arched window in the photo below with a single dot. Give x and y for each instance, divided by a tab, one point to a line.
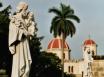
72	69
69	69
82	73
93	53
64	55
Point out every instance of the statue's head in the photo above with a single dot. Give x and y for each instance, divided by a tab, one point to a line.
22	9
22	6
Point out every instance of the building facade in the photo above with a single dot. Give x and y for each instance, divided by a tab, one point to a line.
91	65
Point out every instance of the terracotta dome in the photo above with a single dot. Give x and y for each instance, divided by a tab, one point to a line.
56	43
89	42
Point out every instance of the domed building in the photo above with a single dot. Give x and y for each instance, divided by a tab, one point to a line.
55	46
85	67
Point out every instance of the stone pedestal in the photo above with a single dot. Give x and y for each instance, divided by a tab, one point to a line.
3	73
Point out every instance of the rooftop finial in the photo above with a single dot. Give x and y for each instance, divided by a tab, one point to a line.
89	36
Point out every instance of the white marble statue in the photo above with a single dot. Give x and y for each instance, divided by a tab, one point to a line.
21	28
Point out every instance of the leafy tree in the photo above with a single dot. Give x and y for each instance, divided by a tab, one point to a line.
5	56
46	65
35	47
4	20
43	64
62	24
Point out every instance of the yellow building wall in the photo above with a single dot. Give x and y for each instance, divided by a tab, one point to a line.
98	68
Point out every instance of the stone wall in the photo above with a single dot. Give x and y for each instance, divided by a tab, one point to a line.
98	68
78	75
3	73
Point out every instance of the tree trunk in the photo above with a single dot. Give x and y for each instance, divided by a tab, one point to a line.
62	58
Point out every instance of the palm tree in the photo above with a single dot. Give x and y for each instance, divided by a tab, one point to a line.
62	24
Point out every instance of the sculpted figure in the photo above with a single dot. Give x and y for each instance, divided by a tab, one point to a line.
31	25
87	63
18	41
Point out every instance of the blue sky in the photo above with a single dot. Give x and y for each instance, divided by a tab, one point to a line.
90	12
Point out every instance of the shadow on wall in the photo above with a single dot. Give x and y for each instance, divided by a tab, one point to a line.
98	57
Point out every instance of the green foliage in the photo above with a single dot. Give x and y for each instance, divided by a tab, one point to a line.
46	65
4	20
43	64
5	56
62	21
35	46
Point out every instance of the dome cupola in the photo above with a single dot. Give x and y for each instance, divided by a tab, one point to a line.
89	42
56	43
55	46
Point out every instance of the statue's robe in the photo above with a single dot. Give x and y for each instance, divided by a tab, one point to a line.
19	47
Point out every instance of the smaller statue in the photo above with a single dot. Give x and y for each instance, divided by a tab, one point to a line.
31	25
